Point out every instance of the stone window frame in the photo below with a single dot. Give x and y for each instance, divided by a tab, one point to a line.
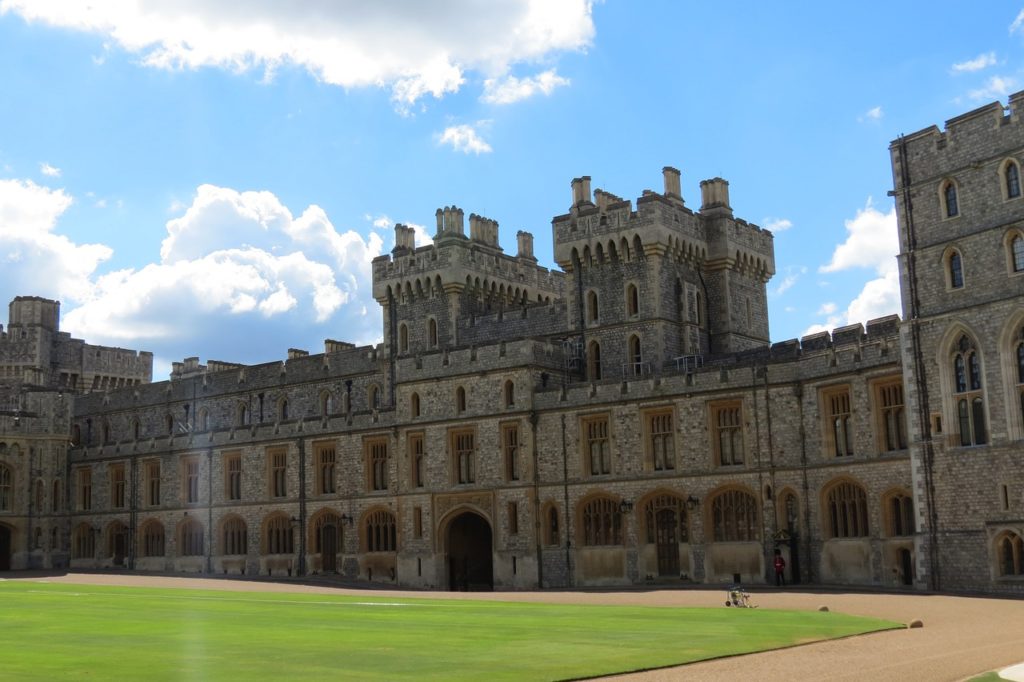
511	447
508	393
512	514
733	515
281	408
417	522
844	510
783	517
1013	247
416	444
963	371
659	446
631	296
838	436
634	365
1008	554
727	414
898	513
889	409
379	531
189	468
191	537
1010	178
325	459
953	270
376	463
278	534
317	522
6	487
56	496
326	401
551	535
600	521
232	475
950	205
415	405
373	396
118	486
462	446
592	307
152	538
594	369
432	332
460	400
277	471
403	337
83	488
590	434
83	541
656	502
242	414
234	536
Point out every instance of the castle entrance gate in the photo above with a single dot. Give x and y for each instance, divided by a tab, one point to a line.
5	548
666	523
470	553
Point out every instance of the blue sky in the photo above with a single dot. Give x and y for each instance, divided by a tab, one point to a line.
212	178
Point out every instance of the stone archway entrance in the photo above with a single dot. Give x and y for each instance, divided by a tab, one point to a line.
5	548
470	554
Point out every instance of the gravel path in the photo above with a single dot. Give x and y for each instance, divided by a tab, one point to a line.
961	637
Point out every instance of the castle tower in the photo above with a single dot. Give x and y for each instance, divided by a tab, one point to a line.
660	283
960	209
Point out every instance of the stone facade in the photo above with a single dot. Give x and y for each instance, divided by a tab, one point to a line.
624	420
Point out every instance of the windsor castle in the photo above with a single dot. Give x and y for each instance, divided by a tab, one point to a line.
623	419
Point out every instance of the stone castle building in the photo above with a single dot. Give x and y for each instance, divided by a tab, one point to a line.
622	420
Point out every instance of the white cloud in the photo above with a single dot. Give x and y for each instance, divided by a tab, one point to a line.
239	277
421	235
777	224
982	61
872	242
49	171
510	89
464	138
873	114
33	259
1018	22
996	87
382	222
412	47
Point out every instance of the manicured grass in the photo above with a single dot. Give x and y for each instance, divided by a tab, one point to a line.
60	631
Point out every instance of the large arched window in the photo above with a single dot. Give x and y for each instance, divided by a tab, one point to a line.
734	517
1010	554
1015	249
601	522
190	538
380	532
278	536
83	542
233	536
847	506
1011	179
950	201
152	538
6	488
967	390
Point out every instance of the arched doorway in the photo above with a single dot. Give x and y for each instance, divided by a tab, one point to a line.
5	548
470	554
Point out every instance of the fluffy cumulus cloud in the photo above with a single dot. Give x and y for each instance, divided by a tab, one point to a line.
777	225
49	171
871	243
414	48
464	138
996	87
240	278
34	259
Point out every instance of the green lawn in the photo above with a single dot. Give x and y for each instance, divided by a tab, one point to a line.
59	631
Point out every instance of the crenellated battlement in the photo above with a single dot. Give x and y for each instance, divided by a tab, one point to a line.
968	140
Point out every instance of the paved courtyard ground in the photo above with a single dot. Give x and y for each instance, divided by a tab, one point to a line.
961	637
